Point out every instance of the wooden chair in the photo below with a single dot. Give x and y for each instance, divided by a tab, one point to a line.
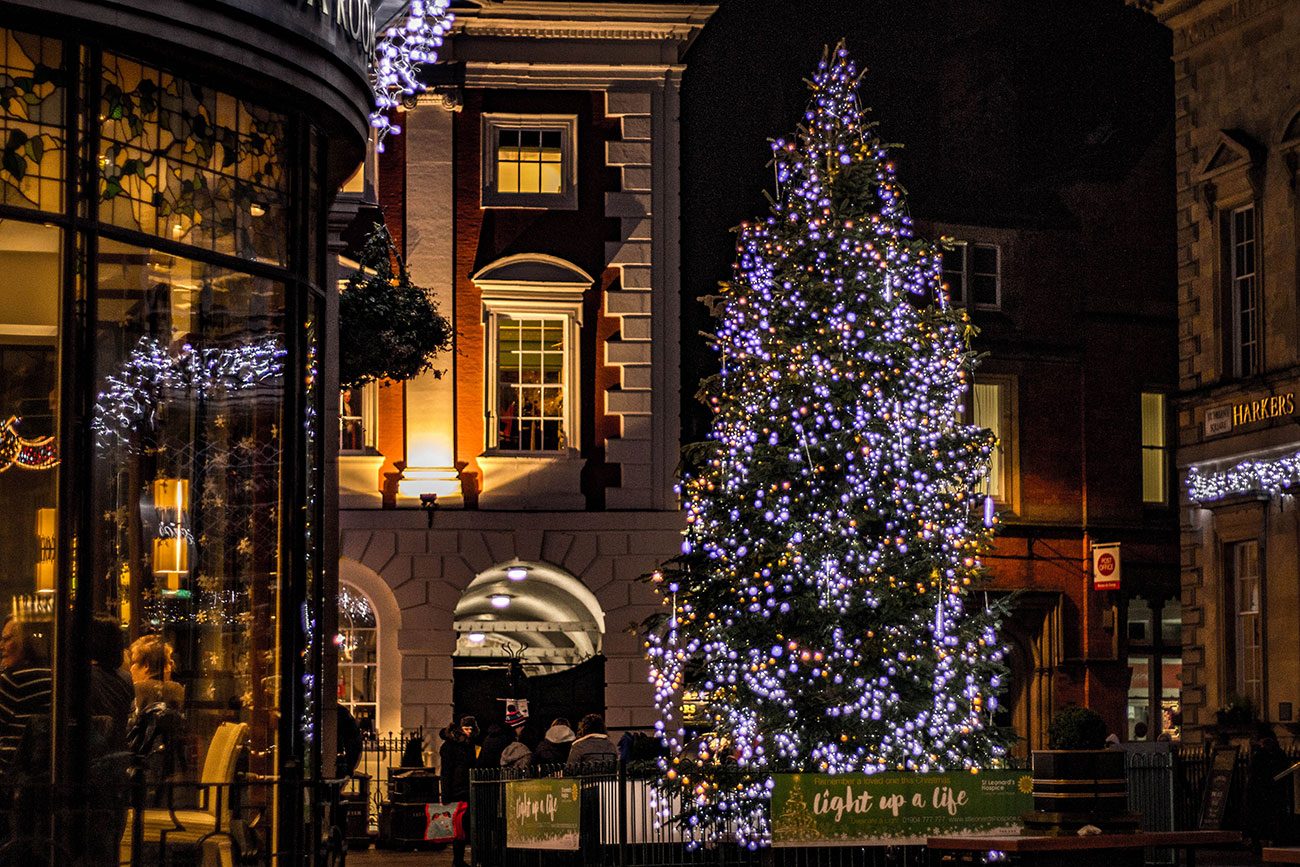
208	826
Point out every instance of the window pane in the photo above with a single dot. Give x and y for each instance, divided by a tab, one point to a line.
984	259
529	382
1139	698
552	180
30	272
954	272
1171	622
987	412
530	177
1139	621
191	164
31	121
188	479
551	140
984	290
507	177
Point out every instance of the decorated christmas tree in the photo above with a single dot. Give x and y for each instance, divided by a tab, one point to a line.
824	612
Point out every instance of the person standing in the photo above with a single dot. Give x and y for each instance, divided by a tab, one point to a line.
554	747
593	744
516	753
457	756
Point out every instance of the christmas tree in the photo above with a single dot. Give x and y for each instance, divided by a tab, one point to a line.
823	609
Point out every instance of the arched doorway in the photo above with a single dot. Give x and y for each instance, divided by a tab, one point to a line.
363	585
528	630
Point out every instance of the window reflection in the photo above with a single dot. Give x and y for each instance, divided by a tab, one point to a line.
188	425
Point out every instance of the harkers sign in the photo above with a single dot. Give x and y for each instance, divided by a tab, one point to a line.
353	19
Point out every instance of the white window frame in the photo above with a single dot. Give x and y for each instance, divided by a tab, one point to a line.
1008	438
369	420
567	124
961	296
348	701
531	303
1242	282
1248	653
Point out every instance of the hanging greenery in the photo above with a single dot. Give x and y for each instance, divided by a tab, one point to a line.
389	328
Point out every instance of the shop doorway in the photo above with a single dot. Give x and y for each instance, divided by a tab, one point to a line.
531	631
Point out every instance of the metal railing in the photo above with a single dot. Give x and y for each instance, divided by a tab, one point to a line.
380	755
619	829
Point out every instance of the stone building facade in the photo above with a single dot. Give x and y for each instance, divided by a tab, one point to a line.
1237	72
535	190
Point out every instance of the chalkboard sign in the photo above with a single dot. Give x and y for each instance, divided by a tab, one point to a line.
1218	785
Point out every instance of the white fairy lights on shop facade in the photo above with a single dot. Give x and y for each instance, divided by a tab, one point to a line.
1270	476
413	40
821	616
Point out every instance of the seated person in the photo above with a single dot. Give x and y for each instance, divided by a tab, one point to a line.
151	672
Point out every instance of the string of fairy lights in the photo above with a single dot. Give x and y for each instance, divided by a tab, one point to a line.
399	52
1265	476
820	612
129	403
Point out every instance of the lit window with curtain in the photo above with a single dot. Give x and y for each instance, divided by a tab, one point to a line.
1155	449
990	409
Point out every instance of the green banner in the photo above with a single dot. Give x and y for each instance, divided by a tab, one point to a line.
895	808
542	814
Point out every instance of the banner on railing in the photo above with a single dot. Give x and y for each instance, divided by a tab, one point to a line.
542	814
895	808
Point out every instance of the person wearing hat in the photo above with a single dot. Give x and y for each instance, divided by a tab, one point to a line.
457	757
516	754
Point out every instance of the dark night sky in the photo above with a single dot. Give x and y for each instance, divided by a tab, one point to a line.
998	103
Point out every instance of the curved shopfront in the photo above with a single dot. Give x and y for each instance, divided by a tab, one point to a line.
165	173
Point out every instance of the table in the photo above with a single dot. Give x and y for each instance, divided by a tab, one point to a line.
1048	850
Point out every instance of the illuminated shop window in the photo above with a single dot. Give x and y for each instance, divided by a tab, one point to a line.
529	161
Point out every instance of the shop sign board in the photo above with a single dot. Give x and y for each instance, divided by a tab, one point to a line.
1105	566
542	814
895	809
354	19
1218	420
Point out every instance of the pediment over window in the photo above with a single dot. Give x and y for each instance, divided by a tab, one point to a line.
1233	150
533	270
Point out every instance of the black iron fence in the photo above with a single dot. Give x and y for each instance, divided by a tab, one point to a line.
619	829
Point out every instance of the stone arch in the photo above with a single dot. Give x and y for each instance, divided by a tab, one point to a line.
548	618
388	617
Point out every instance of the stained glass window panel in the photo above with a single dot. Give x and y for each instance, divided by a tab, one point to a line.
32	94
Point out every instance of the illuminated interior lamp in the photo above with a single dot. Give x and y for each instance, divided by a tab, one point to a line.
171	560
476	637
500	600
172	494
256	209
517	573
45	533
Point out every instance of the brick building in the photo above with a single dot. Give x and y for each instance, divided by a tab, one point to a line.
1064	224
1236	73
535	191
1036	135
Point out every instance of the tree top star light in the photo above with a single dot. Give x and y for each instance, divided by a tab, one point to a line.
822	616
